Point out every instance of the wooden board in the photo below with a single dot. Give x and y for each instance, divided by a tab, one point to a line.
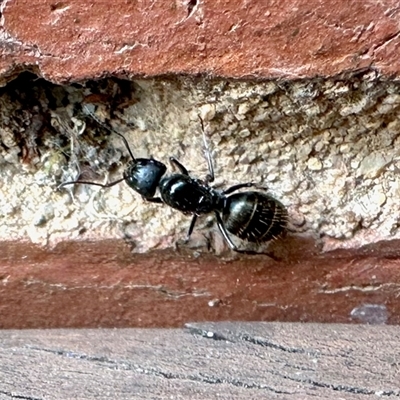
203	361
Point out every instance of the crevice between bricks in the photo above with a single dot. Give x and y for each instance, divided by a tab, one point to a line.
118	285
367	289
385	41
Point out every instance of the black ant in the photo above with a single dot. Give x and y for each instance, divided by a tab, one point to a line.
253	216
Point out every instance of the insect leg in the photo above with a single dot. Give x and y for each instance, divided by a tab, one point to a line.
153	200
210	176
239	186
177	164
191	227
224	232
232	245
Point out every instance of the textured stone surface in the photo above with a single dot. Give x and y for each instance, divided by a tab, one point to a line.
213	361
77	39
327	149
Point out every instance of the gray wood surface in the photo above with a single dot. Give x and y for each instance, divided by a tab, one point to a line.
203	361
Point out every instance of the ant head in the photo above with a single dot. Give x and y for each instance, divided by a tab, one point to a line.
143	175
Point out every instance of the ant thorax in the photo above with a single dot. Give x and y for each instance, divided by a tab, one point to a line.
187	194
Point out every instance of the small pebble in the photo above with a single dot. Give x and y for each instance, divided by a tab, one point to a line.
314	164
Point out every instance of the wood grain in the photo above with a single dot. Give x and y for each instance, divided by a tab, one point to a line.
223	360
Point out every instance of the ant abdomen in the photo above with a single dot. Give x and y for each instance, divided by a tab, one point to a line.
254	216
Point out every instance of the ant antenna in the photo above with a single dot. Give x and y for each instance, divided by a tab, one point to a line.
105	126
108	128
103	185
210	175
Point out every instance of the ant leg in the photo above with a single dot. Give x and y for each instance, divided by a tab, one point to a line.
232	245
153	200
105	185
191	227
210	176
178	165
224	232
239	186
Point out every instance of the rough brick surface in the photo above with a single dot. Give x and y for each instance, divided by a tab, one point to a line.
73	40
101	284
